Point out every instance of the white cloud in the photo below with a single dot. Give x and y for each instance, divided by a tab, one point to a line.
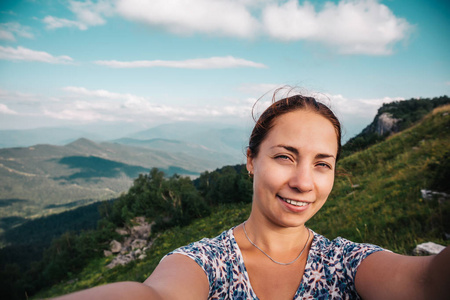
223	17
17	97
365	108
354	27
201	63
349	26
102	94
78	115
21	53
91	13
54	23
95	105
6	35
9	31
87	14
80	104
5	110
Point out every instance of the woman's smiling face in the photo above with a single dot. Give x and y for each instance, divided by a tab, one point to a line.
294	168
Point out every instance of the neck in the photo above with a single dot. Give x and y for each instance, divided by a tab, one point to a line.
276	238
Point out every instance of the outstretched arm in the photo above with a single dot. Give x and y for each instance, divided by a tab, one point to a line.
179	277
176	277
385	275
118	290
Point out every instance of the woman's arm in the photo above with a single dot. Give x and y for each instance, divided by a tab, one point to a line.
176	277
118	290
179	277
385	275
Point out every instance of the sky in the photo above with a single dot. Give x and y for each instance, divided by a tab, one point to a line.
138	63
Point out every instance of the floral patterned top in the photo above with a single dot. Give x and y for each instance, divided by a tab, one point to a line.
329	272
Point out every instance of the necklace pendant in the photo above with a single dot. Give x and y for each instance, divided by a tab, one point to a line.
277	262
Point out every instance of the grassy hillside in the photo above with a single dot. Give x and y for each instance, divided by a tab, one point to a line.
376	199
403	114
377	196
45	179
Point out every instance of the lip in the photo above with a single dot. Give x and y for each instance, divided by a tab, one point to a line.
294	208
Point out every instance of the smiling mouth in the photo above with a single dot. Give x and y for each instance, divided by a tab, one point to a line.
294	202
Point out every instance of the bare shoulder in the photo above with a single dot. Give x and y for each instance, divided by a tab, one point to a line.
179	277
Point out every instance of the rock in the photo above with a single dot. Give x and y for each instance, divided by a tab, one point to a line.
429	195
127	242
139	220
120	260
141	231
426	194
121	231
138	243
107	253
132	245
386	123
115	246
429	248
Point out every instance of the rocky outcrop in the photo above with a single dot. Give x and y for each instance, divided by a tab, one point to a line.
382	124
429	248
386	124
430	195
134	244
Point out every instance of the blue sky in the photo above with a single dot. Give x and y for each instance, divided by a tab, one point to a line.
143	63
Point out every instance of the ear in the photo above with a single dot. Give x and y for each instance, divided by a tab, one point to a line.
249	161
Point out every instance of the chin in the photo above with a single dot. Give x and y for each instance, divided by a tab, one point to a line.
292	221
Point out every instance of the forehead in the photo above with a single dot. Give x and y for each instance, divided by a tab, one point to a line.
304	129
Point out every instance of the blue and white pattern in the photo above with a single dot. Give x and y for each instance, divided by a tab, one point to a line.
329	273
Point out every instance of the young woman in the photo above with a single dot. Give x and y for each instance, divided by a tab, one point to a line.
292	156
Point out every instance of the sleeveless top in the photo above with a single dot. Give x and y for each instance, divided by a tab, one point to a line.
329	272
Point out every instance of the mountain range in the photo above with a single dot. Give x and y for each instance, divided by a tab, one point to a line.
40	179
44	178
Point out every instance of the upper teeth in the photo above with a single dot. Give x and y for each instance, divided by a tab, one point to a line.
293	202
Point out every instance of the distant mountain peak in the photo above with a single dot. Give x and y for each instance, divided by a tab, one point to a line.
82	141
86	146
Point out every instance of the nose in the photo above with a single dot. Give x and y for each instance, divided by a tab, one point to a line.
302	179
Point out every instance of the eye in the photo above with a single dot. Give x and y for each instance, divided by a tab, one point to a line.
324	165
283	158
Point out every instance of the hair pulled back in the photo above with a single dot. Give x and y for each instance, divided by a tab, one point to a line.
289	104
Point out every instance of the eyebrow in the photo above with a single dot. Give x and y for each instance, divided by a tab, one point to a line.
295	151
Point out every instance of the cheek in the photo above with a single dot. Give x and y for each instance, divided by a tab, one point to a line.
325	184
267	179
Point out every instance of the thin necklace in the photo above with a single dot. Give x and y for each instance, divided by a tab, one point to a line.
277	262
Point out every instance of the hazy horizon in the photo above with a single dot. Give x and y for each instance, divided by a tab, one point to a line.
140	64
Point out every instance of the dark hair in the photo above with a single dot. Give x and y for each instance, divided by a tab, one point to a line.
280	107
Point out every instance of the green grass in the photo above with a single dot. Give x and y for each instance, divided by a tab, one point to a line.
376	199
96	273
